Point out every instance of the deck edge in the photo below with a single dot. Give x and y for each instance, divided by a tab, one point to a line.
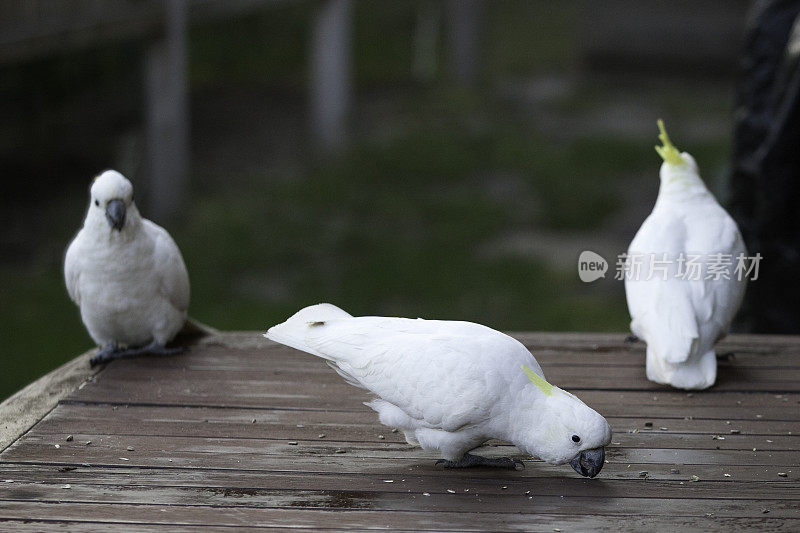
26	407
22	410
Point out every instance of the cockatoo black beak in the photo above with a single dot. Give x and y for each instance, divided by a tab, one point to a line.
589	462
115	214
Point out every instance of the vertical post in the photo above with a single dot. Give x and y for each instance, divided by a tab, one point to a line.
166	115
330	83
463	24
426	37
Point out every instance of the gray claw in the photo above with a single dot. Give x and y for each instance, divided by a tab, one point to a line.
470	460
111	352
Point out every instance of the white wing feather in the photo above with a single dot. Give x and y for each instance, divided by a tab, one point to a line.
173	277
72	269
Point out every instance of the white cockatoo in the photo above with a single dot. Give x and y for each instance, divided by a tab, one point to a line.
684	292
126	274
451	386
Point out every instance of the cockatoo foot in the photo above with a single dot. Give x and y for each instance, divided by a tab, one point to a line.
630	339
470	460
111	352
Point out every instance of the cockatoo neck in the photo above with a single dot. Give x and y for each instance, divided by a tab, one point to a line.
536	410
680	183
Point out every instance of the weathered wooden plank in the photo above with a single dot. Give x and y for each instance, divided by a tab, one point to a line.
375	433
593	342
323	475
266	453
276	356
734	401
285	393
618	482
400	499
299	371
352	426
103	527
254	517
590	342
343	437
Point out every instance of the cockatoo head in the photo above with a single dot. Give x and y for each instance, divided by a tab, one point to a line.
563	429
111	202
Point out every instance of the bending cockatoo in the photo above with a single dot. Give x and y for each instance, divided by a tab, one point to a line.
451	386
126	274
687	305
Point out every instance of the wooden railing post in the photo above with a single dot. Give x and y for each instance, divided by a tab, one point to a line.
464	24
331	79
167	116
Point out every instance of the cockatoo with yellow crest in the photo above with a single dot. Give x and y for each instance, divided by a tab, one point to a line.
685	291
451	386
126	274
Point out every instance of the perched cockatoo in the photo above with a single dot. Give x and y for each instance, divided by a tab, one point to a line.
126	274
682	310
451	386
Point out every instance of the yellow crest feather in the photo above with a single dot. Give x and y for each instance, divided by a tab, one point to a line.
668	152
539	381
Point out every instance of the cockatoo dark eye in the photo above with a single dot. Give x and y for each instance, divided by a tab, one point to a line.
97	203
576	438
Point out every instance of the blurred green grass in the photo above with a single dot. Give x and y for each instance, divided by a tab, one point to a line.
399	228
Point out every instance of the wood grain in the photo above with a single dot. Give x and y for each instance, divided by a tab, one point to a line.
227	436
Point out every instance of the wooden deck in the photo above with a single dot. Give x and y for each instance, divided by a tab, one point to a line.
240	432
